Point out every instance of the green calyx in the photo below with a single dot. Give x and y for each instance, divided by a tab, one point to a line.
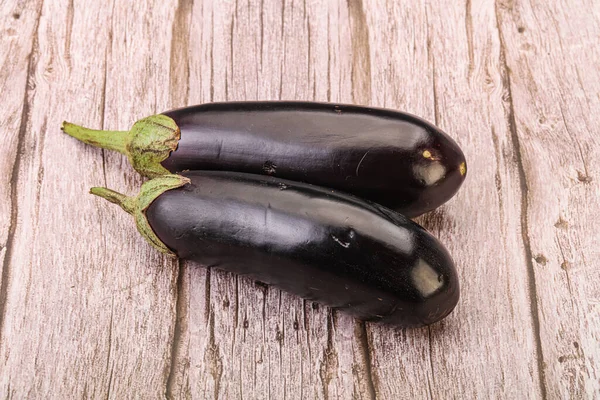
138	205
149	142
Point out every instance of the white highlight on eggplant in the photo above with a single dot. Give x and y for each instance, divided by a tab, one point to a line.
278	228
431	173
338	241
426	279
359	220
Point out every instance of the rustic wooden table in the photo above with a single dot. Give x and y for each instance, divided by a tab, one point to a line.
89	310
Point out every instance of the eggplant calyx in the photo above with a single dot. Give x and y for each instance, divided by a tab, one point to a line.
149	142
137	206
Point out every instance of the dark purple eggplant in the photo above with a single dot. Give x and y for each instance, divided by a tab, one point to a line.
322	245
389	157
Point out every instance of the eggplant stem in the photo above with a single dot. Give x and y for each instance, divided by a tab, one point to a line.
149	142
110	140
137	206
127	203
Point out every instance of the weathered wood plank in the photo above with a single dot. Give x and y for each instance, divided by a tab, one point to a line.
89	306
402	79
456	82
137	76
553	55
44	283
471	87
19	23
258	342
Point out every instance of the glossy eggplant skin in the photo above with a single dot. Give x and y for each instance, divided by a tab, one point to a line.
321	245
389	157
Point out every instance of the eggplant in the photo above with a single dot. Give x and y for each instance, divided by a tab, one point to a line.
389	157
322	245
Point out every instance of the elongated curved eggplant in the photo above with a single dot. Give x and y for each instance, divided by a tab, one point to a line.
322	245
392	158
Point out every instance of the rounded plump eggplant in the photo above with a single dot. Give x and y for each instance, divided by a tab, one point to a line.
319	244
389	157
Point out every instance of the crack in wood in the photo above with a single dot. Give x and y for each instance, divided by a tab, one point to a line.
213	357
103	103
329	362
211	50
179	57
328	59
110	378
512	124
431	363
207	295
102	113
69	33
283	41
280	338
237	301
498	183
429	389
177	359
362	335
431	60
309	51
361	53
262	33
469	33
109	352
231	53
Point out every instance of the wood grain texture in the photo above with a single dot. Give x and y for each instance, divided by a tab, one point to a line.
16	47
552	57
89	310
458	84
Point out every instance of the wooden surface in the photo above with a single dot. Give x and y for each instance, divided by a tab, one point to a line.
89	310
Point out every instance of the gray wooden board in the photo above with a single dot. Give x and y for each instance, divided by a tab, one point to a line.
88	309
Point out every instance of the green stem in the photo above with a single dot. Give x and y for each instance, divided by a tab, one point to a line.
138	205
127	203
149	142
111	140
